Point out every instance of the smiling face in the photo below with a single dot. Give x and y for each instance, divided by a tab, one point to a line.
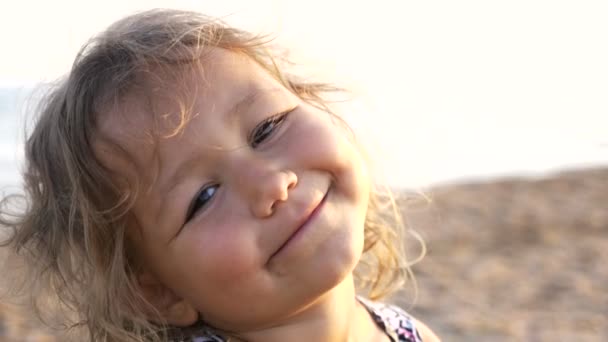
255	208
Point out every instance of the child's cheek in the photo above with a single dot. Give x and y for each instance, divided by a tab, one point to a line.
335	150
227	253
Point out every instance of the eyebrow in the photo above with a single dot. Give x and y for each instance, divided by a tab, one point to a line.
250	98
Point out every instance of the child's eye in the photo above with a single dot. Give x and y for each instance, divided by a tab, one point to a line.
201	199
264	129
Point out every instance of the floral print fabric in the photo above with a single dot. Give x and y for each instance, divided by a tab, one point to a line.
397	324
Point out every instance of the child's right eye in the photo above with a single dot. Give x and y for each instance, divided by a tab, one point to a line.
201	199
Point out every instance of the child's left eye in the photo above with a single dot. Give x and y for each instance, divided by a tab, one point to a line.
265	128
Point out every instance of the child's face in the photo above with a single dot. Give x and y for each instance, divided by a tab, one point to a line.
224	216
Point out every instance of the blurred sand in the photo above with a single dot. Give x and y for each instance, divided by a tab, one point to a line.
516	260
510	260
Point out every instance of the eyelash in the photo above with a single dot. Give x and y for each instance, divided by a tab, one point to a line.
258	135
275	120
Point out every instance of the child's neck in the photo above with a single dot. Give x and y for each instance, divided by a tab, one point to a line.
336	317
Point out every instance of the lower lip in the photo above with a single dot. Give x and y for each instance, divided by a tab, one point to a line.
295	236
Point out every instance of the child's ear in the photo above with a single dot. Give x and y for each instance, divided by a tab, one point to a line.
174	310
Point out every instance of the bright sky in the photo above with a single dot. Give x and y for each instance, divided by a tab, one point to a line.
448	89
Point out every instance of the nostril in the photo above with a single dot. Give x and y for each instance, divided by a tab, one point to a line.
270	211
292	180
271	190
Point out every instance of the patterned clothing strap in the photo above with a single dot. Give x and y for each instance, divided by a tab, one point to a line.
397	323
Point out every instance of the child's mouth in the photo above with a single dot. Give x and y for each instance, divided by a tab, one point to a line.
303	226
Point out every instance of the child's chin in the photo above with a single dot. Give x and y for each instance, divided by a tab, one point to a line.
343	256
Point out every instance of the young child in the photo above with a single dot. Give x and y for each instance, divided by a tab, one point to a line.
182	185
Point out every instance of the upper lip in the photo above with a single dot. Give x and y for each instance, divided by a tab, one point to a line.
309	213
305	217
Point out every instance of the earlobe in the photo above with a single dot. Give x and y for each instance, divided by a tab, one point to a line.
181	314
170	309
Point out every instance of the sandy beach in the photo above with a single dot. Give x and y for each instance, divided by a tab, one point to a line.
515	259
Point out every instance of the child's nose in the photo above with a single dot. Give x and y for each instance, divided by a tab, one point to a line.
267	186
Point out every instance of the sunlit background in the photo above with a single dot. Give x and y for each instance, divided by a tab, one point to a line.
446	90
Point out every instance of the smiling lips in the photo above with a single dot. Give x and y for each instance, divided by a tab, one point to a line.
308	218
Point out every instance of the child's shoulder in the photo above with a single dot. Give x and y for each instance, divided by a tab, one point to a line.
397	323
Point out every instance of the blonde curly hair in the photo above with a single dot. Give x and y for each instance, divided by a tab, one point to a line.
72	232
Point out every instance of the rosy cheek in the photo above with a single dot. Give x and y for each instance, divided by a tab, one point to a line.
229	256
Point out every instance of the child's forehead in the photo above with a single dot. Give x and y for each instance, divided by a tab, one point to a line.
157	97
164	98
